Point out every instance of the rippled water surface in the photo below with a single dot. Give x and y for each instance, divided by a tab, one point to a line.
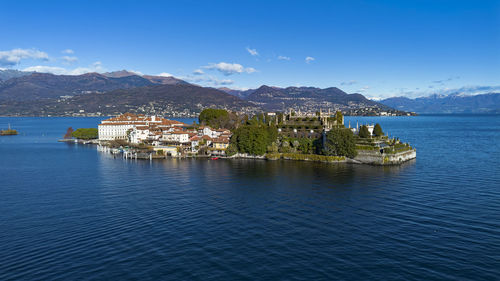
68	212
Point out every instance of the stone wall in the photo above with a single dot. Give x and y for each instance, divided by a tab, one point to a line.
374	157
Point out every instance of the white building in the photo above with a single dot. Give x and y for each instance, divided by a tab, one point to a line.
139	134
207	131
117	128
176	136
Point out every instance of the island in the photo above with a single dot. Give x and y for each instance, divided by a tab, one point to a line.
293	135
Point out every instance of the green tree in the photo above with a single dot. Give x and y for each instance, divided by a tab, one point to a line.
217	118
363	132
272	134
254	138
339	118
231	150
279	116
340	142
251	139
85	133
305	145
377	130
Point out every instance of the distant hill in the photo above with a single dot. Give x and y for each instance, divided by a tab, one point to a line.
238	93
45	85
156	99
7	74
119	74
170	80
42	94
306	98
454	103
164	80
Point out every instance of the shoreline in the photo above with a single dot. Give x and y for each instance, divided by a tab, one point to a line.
372	158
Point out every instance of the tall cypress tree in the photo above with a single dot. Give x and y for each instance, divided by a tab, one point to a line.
363	132
377	130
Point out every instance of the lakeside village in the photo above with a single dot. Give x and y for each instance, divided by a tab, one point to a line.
320	136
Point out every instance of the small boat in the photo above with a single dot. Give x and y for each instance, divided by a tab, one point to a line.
8	132
214	158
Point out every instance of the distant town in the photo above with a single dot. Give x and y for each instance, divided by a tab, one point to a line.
114	93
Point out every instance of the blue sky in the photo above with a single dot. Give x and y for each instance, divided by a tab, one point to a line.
377	48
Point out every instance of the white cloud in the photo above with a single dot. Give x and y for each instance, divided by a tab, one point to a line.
207	80
198	72
349	83
14	56
165	74
95	67
309	59
283	58
137	72
47	69
69	59
223	82
364	89
230	68
250	70
68	51
252	52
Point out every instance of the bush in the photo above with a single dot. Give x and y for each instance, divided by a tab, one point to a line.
312	157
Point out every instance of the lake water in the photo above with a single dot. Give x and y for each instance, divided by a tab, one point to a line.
70	212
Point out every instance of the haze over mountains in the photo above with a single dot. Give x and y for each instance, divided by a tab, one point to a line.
32	93
453	103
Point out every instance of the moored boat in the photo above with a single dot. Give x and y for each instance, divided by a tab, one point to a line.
8	132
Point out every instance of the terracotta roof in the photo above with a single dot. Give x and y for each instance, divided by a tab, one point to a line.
221	140
172	122
120	123
203	127
179	133
141	118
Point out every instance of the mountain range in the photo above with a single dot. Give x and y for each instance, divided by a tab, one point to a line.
453	103
42	94
305	98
